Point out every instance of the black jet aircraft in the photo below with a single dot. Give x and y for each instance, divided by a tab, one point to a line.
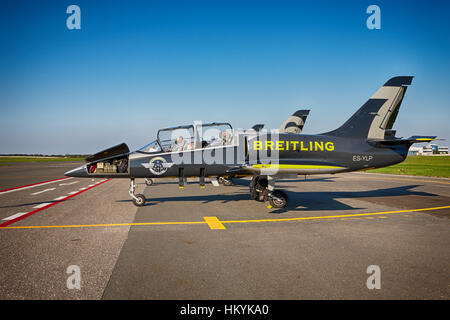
366	140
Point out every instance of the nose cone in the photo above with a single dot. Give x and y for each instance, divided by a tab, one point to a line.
80	172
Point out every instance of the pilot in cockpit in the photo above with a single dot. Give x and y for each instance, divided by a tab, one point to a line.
179	145
227	138
223	140
189	146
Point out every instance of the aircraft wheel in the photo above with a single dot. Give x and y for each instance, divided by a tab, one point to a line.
140	201
227	182
258	188
280	200
253	194
149	181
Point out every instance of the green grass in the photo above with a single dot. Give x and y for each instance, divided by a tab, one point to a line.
36	159
430	166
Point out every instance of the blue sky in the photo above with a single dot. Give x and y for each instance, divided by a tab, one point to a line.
138	66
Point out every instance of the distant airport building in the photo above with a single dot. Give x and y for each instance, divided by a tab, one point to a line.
428	150
443	150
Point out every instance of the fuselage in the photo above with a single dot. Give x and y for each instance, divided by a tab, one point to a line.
272	154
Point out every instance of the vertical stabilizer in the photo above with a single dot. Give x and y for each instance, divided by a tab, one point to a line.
374	120
295	123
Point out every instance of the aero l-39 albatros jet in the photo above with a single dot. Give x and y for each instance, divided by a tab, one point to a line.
366	140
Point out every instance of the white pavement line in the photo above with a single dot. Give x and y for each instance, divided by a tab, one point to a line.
73	192
33	194
15	216
83	188
59	198
91	185
41	205
33	186
68	184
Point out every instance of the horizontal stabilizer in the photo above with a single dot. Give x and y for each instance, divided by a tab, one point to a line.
418	139
410	140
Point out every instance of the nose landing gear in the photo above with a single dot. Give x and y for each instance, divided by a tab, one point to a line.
138	199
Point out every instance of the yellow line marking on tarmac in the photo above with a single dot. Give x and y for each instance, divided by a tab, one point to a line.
214	223
342	217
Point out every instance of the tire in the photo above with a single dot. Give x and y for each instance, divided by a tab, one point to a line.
227	182
259	186
140	200
278	203
253	192
149	181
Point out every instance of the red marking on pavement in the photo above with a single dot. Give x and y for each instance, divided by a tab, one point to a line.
34	184
7	223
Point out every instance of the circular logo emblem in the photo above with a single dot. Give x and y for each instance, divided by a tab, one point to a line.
158	165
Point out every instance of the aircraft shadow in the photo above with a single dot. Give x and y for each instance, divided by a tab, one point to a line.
329	200
301	200
223	198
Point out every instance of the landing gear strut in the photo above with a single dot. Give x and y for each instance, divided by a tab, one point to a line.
262	189
138	199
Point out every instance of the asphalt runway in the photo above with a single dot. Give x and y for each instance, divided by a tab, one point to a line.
215	243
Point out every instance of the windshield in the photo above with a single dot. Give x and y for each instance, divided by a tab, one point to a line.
151	147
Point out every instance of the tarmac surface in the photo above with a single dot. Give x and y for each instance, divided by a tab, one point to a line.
216	243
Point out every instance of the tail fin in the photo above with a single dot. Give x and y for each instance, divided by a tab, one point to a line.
295	123
374	120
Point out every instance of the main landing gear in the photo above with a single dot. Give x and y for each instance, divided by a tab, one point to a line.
262	189
226	181
138	199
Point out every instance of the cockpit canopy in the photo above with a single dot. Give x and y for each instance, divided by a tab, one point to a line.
191	137
151	147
